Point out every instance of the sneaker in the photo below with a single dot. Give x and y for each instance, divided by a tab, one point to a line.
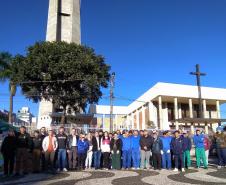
58	170
175	170
182	170
133	168
138	168
65	170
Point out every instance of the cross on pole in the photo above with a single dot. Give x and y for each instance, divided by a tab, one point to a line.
198	75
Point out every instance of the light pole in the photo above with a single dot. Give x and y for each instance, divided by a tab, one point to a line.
112	86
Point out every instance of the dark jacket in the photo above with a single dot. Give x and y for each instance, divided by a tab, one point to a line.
95	144
37	143
177	145
9	146
117	143
70	140
62	141
157	146
146	141
24	141
187	143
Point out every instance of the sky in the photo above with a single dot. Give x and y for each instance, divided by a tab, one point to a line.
144	41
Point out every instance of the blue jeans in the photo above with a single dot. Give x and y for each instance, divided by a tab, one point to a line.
126	155
96	158
136	158
166	160
62	158
223	154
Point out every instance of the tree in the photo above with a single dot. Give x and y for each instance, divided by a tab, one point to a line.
8	71
65	73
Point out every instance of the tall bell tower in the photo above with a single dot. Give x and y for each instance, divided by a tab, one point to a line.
63	25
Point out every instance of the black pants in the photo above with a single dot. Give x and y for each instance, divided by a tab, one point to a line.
106	160
82	160
9	161
179	160
72	158
156	161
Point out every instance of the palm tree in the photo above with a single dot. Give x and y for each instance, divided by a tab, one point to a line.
6	73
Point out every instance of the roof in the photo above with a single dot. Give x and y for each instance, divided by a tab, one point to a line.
105	109
178	90
165	90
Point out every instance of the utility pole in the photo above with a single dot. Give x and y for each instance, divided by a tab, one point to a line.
198	75
112	86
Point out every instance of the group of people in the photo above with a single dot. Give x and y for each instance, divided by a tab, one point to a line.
54	152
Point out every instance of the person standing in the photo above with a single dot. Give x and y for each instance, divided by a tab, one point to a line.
89	158
36	151
43	134
156	151
126	150
136	150
72	149
62	150
96	150
166	154
83	147
217	138
177	147
116	147
187	149
105	149
145	143
223	146
207	148
199	149
23	148
8	150
49	146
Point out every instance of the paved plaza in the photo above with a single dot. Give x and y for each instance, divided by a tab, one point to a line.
212	176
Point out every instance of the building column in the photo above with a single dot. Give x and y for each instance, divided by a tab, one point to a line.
206	128
204	108
179	111
132	114
190	108
218	109
115	118
138	119
176	112
143	117
150	109
192	128
103	121
160	112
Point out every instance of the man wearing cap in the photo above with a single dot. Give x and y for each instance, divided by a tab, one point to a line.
199	149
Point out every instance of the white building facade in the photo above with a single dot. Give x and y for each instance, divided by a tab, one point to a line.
165	103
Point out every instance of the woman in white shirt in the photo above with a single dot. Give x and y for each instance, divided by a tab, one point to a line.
105	149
